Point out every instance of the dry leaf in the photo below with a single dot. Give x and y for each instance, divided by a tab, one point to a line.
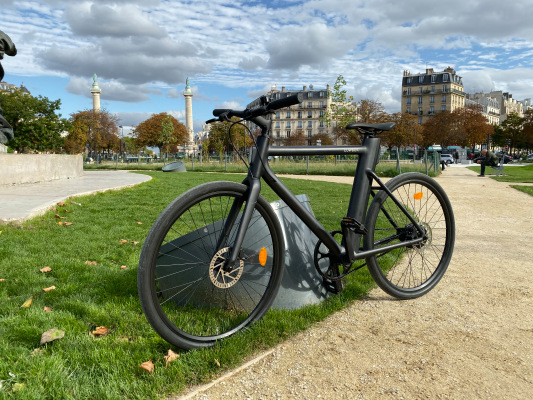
45	269
101	331
73	202
124	267
123	241
135	243
27	303
139	223
124	339
67	223
49	289
47	309
61	204
60	223
91	262
59	216
217	363
51	335
148	366
171	357
1	280
54	208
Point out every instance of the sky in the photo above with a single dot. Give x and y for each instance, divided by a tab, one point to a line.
235	50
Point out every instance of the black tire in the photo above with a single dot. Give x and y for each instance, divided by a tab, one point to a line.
410	272
179	267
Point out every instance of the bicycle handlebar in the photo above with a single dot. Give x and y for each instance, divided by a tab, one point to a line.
248	114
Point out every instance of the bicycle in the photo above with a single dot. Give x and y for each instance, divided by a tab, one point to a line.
213	260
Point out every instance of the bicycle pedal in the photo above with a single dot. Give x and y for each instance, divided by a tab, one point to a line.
354	225
334	287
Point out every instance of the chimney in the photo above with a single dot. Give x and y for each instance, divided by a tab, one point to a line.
305	88
283	88
429	71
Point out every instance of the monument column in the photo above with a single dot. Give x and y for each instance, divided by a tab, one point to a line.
188	114
95	90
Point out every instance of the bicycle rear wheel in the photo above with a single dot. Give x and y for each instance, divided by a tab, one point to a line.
187	296
410	271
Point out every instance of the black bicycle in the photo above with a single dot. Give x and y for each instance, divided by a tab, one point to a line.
213	261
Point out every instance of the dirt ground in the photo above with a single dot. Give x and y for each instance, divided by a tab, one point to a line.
470	338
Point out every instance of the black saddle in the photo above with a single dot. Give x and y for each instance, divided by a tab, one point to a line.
370	129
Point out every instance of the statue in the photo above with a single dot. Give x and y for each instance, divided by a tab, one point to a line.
6	47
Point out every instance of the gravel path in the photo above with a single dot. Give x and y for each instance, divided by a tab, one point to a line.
470	338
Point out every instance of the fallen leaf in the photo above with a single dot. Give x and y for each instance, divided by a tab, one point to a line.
51	335
61	204
60	223
1	280
91	263
45	269
135	243
217	363
123	241
139	223
124	339
170	357
73	202
47	309
17	387
49	289
54	208
27	303
101	331
67	223
59	216
148	366
124	267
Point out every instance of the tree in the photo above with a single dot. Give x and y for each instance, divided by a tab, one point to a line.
325	139
525	141
151	132
439	129
341	110
219	137
100	129
511	128
471	126
36	125
406	131
371	111
296	139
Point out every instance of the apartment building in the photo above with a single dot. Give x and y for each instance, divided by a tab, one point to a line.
508	105
303	118
8	87
426	94
490	106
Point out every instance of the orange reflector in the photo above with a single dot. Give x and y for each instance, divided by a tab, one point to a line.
263	256
418	195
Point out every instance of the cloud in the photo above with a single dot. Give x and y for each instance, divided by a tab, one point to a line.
252	63
86	19
112	90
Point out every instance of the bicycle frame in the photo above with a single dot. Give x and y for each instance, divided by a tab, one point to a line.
348	251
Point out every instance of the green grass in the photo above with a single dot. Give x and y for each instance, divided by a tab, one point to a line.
344	168
525	189
86	296
522	174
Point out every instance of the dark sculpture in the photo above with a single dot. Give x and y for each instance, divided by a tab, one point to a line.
6	47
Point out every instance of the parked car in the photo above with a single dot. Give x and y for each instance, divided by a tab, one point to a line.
507	159
447	158
529	156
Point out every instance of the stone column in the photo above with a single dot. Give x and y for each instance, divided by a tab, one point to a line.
188	114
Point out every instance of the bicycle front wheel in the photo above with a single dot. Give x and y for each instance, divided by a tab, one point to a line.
413	270
188	296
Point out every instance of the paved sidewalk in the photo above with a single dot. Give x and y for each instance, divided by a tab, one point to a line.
21	202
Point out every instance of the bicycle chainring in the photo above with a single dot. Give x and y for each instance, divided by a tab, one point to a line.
219	276
326	263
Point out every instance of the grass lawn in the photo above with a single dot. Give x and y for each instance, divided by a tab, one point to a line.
87	243
521	174
525	189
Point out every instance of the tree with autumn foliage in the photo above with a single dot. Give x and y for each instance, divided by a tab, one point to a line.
219	138
406	131
325	139
97	129
471	126
162	131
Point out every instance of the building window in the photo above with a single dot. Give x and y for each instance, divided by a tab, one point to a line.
288	134
408	100
419	121
445	88
309	134
309	114
309	95
277	115
300	105
409	80
432	110
444	98
310	104
420	90
278	134
309	124
432	89
322	105
432	99
288	124
321	94
445	77
278	125
443	108
433	77
419	110
409	91
288	115
299	124
421	79
321	124
299	114
321	113
409	110
419	99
